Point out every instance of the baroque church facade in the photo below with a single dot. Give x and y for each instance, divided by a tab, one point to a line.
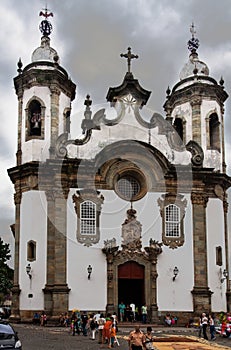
134	210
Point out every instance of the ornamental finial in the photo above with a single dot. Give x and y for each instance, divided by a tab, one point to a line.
129	57
45	26
193	43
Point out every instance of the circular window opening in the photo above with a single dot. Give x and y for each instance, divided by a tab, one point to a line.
128	188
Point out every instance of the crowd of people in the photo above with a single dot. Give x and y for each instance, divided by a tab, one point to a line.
131	313
40	318
104	329
211	323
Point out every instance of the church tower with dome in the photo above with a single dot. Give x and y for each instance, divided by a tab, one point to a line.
135	209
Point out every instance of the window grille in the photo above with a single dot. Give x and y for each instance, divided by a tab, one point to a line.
88	218
128	187
172	222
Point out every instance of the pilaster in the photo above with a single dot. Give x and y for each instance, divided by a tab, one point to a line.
196	119
110	253
19	150
15	311
56	290
55	93
201	293
153	251
50	280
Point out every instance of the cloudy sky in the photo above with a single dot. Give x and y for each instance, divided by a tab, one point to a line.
89	37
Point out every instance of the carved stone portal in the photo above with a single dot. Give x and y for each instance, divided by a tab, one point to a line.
132	251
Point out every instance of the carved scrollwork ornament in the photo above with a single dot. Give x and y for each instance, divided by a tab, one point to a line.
17	197
195	101
154	275
226	206
50	195
197	153
110	276
199	199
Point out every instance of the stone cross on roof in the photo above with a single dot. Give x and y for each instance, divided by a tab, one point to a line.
129	57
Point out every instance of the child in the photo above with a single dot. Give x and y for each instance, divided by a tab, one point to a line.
112	334
106	330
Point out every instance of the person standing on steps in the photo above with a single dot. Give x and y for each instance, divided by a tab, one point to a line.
122	308
144	312
204	322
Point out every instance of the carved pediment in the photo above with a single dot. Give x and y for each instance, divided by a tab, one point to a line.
131	232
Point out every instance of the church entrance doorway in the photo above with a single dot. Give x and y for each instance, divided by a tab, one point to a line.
131	284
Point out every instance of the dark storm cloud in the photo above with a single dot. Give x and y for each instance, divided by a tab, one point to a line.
90	35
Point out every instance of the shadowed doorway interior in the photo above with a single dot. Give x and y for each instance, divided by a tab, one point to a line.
131	283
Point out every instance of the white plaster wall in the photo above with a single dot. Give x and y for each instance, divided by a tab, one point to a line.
112	216
125	131
176	295
215	238
33	226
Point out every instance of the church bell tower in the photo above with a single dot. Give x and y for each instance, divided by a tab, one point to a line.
195	107
44	93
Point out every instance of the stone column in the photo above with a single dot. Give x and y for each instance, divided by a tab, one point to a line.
201	293
153	251
110	278
56	290
50	280
196	119
15	311
55	93
19	150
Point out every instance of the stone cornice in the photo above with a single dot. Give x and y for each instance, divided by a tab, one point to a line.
197	89
44	77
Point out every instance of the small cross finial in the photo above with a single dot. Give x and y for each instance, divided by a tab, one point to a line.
192	30
129	57
46	14
193	43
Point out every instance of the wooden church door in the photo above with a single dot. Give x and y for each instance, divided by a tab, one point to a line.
131	283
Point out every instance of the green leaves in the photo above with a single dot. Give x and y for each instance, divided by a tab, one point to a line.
6	273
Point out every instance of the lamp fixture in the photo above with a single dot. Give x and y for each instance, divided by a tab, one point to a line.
28	271
225	274
89	271
175	272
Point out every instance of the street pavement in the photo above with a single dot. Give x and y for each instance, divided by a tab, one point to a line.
167	338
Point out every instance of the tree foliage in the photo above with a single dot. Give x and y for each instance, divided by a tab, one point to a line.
6	273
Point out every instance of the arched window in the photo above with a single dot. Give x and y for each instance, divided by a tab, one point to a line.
31	250
178	125
88	205
214	132
67	121
219	256
87	218
172	221
34	116
172	210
